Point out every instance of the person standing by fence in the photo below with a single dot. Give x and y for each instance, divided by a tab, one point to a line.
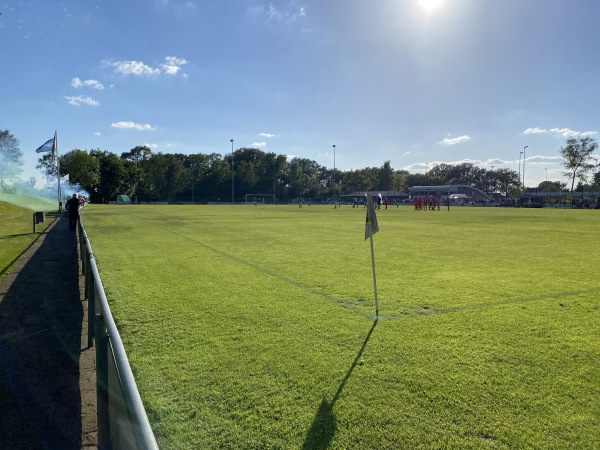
73	208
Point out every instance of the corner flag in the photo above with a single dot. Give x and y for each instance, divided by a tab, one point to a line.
371	226
48	146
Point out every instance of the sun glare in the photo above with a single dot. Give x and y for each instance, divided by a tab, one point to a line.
430	4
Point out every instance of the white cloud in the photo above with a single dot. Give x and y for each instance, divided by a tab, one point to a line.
497	162
475	162
134	68
415	166
430	164
267	135
565	132
544	159
172	65
285	15
259	144
535	130
97	133
151	145
272	12
456	140
77	83
82	100
132	126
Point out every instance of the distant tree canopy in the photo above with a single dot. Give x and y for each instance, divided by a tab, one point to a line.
82	167
11	158
577	155
145	175
149	176
551	186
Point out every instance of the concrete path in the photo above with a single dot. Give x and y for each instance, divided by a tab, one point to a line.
47	372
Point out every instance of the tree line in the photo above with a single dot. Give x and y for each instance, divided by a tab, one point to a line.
147	176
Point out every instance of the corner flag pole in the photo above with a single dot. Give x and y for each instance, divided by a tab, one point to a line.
372	227
374	275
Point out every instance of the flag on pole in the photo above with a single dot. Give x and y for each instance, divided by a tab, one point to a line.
371	226
48	146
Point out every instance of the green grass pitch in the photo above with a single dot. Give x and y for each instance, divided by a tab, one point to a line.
254	326
16	231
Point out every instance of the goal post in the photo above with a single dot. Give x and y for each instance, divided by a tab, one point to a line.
265	199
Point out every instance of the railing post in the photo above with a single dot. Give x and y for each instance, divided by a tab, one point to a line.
82	252
102	382
89	295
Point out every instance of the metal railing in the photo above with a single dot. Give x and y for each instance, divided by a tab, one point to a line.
122	419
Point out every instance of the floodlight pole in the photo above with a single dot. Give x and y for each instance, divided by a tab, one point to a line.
334	199
520	154
232	173
524	166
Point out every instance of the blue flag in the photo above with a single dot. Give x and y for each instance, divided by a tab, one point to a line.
48	146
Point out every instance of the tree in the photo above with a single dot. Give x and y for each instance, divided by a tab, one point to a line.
577	155
399	181
306	178
46	164
83	168
596	181
113	177
386	177
491	182
137	154
464	173
507	182
165	176
11	158
551	186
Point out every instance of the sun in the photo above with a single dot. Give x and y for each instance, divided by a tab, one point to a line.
430	5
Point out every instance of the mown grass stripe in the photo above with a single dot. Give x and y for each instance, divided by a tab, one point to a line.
274	275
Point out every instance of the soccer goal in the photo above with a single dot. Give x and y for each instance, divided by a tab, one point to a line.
262	199
123	199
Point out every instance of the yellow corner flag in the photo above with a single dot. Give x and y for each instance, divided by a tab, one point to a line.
371	226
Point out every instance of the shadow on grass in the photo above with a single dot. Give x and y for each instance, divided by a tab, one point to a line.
11	236
324	425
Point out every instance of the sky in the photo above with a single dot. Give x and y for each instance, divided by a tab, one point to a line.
413	82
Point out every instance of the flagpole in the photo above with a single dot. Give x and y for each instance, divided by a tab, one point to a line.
55	153
371	228
374	275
